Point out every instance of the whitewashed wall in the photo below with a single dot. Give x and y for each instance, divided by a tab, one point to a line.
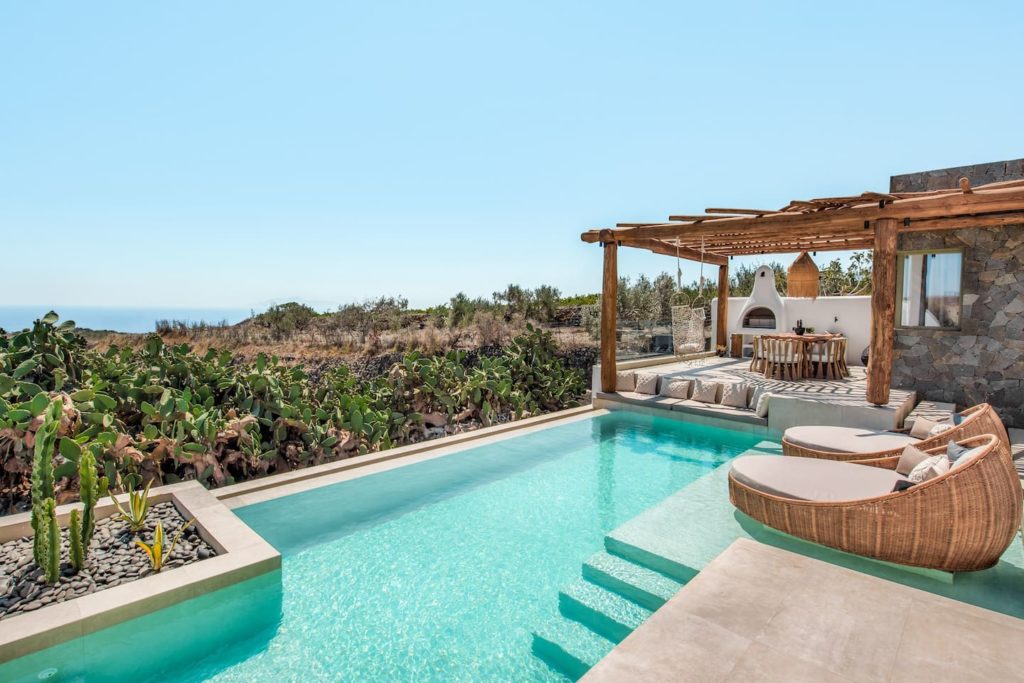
853	312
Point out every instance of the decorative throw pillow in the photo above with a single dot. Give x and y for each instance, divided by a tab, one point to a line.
929	469
755	396
939	428
922	428
955	451
705	392
625	380
647	383
761	407
901	485
734	394
910	458
673	387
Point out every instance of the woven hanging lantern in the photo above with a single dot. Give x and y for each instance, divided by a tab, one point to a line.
803	277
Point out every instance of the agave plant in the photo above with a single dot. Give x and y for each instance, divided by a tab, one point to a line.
138	508
159	551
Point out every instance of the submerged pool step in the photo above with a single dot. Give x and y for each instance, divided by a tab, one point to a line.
645	558
600	610
644	586
569	647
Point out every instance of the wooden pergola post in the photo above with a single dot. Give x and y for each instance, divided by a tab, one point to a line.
883	311
723	306
609	306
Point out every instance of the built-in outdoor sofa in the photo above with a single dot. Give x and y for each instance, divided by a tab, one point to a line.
627	393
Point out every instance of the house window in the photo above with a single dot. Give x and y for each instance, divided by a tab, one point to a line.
930	289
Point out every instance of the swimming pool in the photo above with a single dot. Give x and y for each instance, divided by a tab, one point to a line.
439	570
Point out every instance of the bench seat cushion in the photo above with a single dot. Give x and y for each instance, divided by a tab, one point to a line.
846	439
813	479
718	410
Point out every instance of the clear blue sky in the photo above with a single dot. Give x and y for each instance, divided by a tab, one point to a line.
216	154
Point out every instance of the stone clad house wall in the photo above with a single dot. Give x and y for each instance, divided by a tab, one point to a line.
983	361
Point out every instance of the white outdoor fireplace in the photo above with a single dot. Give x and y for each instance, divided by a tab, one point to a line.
764	310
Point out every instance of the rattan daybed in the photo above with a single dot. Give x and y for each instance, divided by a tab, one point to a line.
960	521
981	419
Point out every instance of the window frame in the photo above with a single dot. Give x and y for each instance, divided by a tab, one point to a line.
900	254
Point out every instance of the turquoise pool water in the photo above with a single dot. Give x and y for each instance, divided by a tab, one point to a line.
434	571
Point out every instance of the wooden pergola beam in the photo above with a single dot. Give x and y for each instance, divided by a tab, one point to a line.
669	249
747	212
695	218
960	223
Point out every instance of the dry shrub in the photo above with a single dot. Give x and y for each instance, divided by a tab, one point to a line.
430	341
491	330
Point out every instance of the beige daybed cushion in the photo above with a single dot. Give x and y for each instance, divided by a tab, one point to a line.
846	439
813	479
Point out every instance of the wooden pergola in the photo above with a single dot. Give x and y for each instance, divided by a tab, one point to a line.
871	220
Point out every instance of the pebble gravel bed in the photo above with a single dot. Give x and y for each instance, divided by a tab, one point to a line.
113	559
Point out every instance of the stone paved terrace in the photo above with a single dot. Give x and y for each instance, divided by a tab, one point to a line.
762	613
809	401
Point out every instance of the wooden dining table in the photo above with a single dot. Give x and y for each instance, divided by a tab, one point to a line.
806	341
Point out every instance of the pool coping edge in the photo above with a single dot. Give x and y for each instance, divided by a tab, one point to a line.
309	478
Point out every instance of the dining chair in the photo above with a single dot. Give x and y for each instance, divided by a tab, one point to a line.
757	355
825	358
844	371
785	358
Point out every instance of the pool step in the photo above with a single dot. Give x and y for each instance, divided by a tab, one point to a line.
599	610
645	558
645	587
569	647
606	613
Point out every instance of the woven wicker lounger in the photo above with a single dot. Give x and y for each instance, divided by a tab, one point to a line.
961	521
981	419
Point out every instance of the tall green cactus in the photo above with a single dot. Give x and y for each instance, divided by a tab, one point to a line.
42	477
75	529
89	490
52	531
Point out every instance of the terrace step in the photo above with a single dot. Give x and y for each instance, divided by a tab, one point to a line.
606	613
645	587
569	647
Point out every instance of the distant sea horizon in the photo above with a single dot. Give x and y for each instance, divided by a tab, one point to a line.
118	319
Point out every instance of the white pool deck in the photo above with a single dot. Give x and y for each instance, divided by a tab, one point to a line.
809	401
758	605
759	613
